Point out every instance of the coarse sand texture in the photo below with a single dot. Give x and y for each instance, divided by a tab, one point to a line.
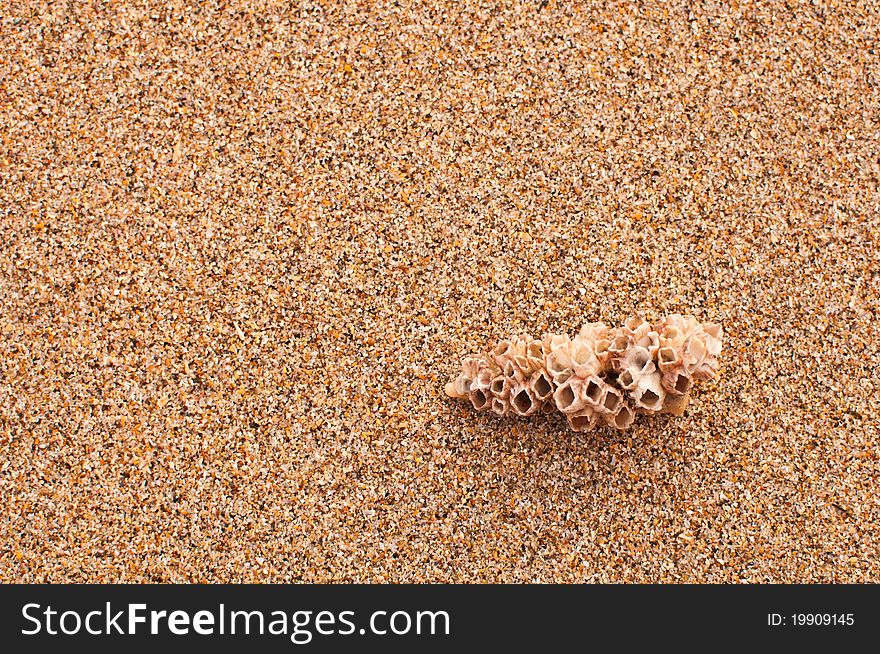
245	245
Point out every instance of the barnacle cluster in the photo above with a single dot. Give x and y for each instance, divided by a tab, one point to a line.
601	375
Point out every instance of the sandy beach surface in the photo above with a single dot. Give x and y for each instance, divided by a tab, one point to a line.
243	246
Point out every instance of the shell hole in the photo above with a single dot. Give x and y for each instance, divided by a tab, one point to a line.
594	391
522	401
479	399
682	384
566	397
542	386
624	418
580	422
611	401
650	398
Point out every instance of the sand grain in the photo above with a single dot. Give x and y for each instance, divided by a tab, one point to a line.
243	247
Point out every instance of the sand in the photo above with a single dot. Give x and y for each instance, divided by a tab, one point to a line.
243	247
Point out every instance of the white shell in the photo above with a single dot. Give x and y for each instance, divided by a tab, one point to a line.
649	394
601	375
523	401
568	397
500	407
592	331
593	392
622	419
677	382
542	386
583	420
480	398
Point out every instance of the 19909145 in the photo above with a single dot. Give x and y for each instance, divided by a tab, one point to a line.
811	620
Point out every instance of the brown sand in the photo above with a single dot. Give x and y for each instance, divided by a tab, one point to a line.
242	248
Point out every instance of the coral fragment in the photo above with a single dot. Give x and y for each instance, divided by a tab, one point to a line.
602	375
